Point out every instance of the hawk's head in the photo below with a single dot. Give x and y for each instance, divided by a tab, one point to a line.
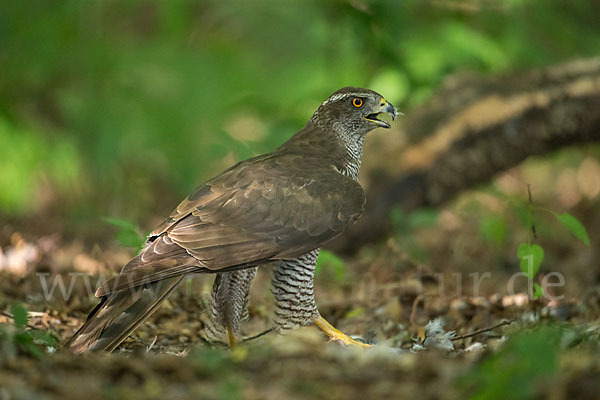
353	111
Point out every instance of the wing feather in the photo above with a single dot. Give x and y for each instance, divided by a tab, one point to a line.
264	209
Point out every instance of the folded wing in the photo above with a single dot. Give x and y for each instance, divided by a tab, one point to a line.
267	208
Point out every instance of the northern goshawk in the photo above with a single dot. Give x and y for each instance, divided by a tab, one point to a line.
280	207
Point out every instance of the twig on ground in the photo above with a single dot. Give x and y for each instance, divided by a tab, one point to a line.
484	330
257	336
148	348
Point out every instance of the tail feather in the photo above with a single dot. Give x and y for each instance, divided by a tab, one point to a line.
119	314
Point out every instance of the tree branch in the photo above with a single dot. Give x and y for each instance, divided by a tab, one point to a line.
474	129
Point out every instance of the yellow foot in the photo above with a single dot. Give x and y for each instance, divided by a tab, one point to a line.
335	334
230	335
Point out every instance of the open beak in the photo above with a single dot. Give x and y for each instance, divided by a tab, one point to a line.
386	107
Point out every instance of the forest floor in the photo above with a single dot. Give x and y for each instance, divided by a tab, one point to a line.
448	327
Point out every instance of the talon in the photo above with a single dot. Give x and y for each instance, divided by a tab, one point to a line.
335	334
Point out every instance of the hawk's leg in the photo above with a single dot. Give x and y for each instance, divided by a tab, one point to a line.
293	288
229	304
336	334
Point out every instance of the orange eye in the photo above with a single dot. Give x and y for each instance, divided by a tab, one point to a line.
357	102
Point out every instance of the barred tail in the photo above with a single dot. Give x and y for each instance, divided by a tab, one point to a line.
119	314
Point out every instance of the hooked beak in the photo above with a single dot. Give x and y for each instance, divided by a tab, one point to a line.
386	107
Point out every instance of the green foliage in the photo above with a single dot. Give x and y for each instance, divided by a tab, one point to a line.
493	229
19	314
518	368
150	96
422	218
231	389
574	226
128	234
218	364
210	361
27	159
18	339
531	257
404	223
329	263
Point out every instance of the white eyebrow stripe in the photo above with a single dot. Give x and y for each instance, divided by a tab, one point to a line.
341	96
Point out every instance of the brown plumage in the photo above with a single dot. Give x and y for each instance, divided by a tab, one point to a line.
277	206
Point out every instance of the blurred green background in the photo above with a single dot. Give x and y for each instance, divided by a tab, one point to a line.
120	108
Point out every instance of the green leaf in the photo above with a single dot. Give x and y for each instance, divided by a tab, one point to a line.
128	233
121	223
45	338
530	256
129	239
331	262
574	226
538	291
19	314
